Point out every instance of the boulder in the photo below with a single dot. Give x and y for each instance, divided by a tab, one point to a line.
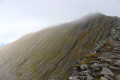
84	67
106	71
96	65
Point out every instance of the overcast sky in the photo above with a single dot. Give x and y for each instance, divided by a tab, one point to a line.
18	17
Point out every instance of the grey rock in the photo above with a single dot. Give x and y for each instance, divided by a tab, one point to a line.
103	78
103	65
113	68
114	57
117	63
88	77
117	49
74	78
115	43
84	67
118	28
117	57
92	62
77	61
95	69
96	65
107	60
74	72
106	71
105	55
93	66
88	71
96	74
84	73
109	78
97	48
115	33
118	77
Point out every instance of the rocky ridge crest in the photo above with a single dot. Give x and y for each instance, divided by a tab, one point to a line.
103	63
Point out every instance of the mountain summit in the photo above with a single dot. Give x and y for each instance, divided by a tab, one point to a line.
51	53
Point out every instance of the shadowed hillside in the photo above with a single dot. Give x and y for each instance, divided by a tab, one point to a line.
52	52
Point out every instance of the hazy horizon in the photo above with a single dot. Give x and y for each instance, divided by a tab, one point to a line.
19	17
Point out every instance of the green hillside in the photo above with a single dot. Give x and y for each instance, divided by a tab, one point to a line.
51	53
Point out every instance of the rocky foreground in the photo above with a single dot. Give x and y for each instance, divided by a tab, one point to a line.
103	63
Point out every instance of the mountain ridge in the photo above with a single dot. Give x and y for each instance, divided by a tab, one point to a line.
52	52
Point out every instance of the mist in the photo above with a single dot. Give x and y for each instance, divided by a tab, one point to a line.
19	17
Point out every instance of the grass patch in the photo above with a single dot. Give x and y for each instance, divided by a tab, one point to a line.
90	57
18	75
96	78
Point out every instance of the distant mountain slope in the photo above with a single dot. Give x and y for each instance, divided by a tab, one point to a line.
52	52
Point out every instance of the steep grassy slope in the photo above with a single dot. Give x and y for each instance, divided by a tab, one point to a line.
52	52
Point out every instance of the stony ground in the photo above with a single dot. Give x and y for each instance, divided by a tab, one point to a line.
103	63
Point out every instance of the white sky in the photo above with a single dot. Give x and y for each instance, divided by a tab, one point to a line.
18	17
